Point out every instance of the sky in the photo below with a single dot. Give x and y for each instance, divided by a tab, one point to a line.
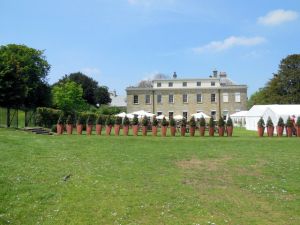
120	42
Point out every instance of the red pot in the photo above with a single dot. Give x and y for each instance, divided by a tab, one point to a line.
289	131
298	131
144	130
183	131
154	130
270	131
135	129
164	131
108	130
260	131
69	129
173	130
221	131
229	131
59	129
279	131
211	131
125	130
202	131
79	128
89	129
98	129
117	130
192	131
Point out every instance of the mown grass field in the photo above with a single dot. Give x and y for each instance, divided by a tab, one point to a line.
149	180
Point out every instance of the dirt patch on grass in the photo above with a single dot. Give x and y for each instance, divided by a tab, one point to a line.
205	164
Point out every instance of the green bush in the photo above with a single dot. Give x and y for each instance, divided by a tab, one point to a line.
80	120
126	121
109	121
280	122
69	120
270	122
172	122
61	119
229	122
90	120
298	121
118	120
46	117
183	122
211	123
261	122
135	121
145	121
100	120
164	122
154	121
202	122
221	122
193	122
289	122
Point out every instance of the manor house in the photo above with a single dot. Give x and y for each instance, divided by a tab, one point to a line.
215	96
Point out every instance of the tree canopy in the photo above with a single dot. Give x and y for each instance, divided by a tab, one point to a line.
67	96
23	73
92	92
284	87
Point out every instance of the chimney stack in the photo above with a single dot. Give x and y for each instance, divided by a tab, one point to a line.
174	75
215	73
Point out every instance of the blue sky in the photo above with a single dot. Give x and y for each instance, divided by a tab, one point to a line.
119	42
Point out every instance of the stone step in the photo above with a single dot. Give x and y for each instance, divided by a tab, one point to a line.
38	130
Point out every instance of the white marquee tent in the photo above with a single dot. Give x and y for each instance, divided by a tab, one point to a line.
272	111
239	118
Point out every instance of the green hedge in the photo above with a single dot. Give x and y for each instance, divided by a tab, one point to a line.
46	117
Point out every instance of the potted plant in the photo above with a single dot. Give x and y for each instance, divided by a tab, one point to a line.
270	127
99	123
298	126
69	125
280	127
109	124
135	126
89	124
289	127
126	124
261	127
118	122
221	125
202	126
211	127
145	123
183	127
229	127
154	126
192	124
164	127
79	124
60	125
172	126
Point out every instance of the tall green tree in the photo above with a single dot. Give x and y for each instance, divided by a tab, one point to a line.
67	96
284	87
23	72
92	92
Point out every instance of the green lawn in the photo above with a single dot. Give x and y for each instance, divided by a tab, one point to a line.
146	180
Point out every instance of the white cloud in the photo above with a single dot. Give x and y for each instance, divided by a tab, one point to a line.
233	41
277	17
95	72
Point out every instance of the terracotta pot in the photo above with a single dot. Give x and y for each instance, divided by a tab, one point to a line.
108	130
154	130
69	129
279	131
229	131
79	128
202	131
192	131
98	129
125	130
135	130
89	129
183	131
289	131
164	131
221	131
270	131
298	131
59	129
211	131
144	130
260	131
117	129
173	130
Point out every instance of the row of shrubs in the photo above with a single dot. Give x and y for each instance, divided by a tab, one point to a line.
289	122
